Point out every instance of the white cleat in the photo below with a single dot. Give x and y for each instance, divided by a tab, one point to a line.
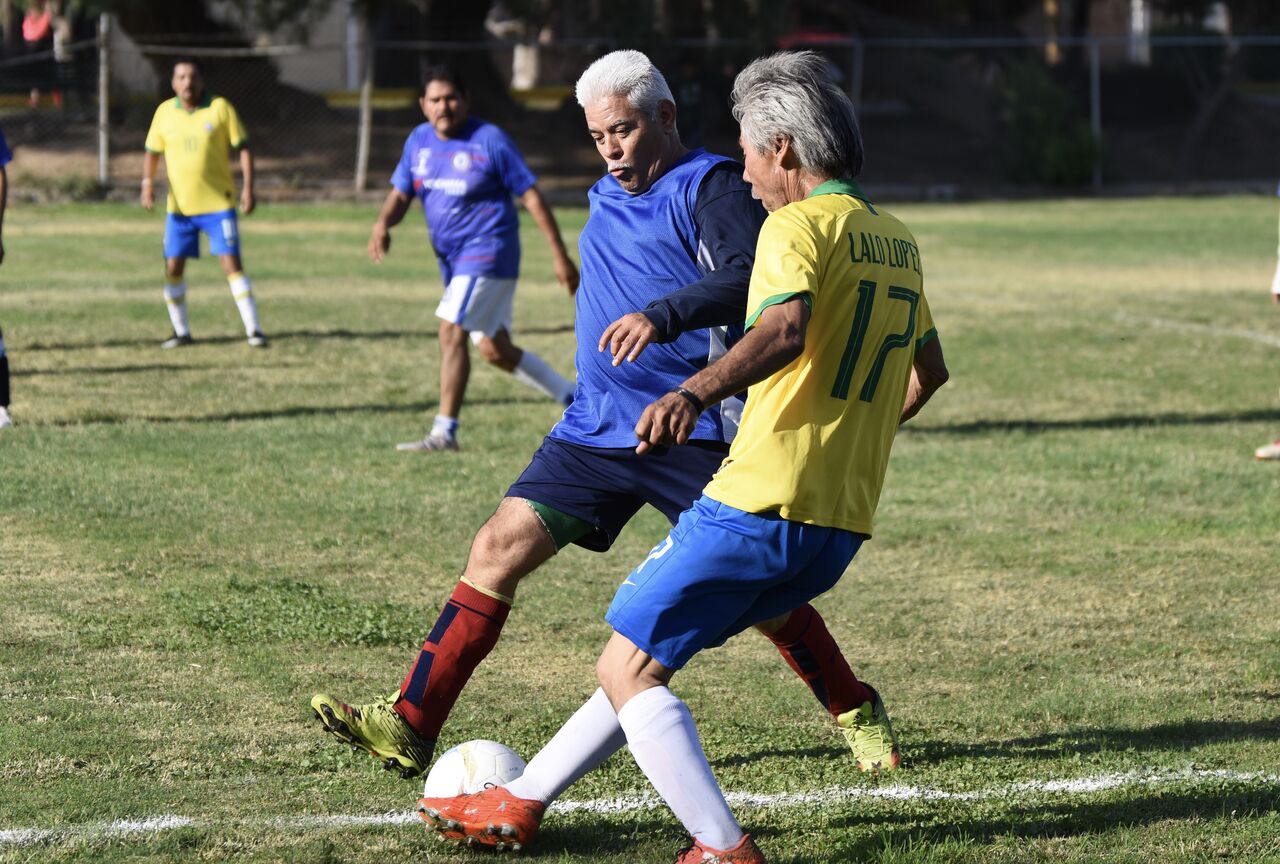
5	420
430	443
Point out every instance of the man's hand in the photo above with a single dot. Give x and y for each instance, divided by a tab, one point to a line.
668	421
147	197
1275	298
627	337
379	242
247	202
567	273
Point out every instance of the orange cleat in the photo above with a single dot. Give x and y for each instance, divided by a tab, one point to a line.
746	852
493	818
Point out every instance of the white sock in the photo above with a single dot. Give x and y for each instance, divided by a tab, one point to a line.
534	371
175	297
583	743
444	426
242	291
665	745
1275	282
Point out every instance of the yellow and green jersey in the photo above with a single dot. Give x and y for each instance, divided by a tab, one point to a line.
196	145
815	436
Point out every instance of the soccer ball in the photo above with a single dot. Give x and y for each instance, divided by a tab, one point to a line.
470	767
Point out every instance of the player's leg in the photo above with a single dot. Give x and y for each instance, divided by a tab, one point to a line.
455	371
224	241
181	241
488	317
671	483
5	419
403	729
528	368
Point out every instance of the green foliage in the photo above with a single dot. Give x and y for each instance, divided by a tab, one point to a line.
1046	139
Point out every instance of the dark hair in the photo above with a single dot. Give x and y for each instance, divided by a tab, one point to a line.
444	72
188	61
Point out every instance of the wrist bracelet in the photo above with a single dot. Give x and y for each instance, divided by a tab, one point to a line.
692	397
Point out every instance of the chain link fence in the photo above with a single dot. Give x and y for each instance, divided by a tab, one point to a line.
941	117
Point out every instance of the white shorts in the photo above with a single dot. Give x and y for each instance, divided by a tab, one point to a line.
480	305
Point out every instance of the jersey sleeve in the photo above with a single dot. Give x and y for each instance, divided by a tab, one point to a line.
6	155
509	164
728	221
236	133
402	177
155	135
924	323
787	264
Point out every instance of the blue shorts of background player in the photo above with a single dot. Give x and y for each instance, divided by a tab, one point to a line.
182	234
720	571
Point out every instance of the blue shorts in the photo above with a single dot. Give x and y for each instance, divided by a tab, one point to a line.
605	486
720	571
182	234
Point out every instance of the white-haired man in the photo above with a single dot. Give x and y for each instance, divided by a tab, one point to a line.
671	232
840	350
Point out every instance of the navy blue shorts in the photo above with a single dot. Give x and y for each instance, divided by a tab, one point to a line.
605	486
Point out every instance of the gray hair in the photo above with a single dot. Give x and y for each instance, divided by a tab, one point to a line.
625	73
794	94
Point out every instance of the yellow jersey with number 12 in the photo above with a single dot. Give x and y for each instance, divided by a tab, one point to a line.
196	145
815	436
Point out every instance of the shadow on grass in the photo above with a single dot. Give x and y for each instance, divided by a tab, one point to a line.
1165	737
1119	421
109	419
116	370
1063	819
278	336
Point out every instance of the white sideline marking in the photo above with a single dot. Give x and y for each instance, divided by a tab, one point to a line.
895	792
1209	329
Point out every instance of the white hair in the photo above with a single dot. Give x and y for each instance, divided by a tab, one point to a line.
625	73
793	94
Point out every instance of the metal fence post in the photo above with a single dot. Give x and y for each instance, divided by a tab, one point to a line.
366	107
857	57
104	99
1095	109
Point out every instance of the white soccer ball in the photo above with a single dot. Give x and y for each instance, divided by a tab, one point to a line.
470	767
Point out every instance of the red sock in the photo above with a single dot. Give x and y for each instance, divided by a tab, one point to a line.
464	634
808	647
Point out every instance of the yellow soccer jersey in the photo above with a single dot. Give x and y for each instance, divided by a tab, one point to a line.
815	436
196	146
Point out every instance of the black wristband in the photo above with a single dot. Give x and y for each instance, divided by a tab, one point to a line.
692	397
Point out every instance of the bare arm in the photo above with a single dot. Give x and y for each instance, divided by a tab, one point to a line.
928	373
393	210
773	343
150	162
247	201
566	270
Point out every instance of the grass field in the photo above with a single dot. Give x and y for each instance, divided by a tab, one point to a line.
1071	604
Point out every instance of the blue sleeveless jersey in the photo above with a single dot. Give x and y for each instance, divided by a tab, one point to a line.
636	249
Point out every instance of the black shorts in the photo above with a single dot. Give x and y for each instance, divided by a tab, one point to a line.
606	486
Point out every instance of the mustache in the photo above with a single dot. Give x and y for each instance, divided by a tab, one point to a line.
619	166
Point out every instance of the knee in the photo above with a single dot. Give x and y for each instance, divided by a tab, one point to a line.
452	337
174	267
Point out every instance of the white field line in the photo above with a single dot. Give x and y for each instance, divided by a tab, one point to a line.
820	797
1208	329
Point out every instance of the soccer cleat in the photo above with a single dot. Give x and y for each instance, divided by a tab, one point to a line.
433	441
378	730
1267	451
257	340
176	341
5	420
492	818
746	852
870	736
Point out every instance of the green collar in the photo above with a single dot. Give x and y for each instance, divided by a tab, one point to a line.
204	102
838	186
